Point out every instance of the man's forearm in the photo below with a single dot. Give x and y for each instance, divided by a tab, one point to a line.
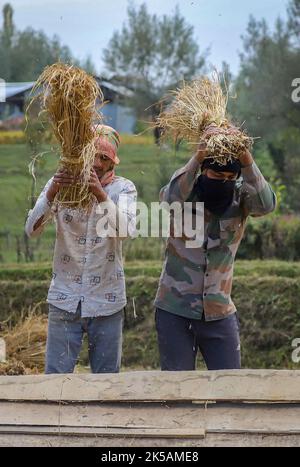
38	223
50	194
246	159
101	197
201	153
259	198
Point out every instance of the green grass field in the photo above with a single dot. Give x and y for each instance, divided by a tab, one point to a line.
146	165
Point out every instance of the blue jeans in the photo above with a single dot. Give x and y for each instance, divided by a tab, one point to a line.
180	338
64	340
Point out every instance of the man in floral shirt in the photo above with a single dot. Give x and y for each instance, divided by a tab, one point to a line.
87	291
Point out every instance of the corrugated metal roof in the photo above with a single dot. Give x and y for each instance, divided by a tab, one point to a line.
116	88
12	89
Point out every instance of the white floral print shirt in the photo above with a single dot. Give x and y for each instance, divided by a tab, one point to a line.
87	267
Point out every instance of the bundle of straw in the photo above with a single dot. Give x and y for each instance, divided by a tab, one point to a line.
68	95
26	341
197	107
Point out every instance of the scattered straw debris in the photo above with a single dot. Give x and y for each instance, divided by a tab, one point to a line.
25	342
12	368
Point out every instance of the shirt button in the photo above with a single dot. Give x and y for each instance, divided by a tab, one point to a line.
205	294
207	274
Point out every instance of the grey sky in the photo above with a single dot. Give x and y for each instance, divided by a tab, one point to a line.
87	25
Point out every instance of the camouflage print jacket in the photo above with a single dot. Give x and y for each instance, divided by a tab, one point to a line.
197	280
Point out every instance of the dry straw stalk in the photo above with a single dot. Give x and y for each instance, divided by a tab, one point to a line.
196	107
68	96
25	342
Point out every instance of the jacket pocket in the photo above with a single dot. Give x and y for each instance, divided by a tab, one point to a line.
231	230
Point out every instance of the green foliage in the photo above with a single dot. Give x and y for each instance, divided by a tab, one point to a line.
24	54
36	134
264	160
272	237
151	268
269	65
141	127
165	170
294	18
152	54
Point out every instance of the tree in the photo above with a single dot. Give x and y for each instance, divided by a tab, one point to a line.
6	40
294	18
269	64
8	26
152	54
88	65
32	52
24	54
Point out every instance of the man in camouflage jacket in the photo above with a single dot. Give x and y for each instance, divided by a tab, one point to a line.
194	309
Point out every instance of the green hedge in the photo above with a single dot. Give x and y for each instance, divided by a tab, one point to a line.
42	272
268	237
33	272
272	237
269	310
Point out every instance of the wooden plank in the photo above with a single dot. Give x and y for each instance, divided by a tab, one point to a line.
241	385
254	418
125	432
226	418
210	440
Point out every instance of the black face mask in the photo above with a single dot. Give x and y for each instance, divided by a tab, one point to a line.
216	194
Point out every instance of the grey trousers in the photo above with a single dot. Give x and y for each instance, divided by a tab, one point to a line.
64	340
